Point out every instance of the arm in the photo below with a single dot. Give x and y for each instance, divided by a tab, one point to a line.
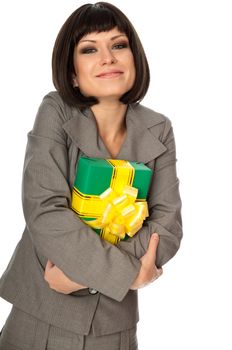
56	231
147	274
164	207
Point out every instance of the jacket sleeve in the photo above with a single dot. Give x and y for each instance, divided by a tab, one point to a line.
164	204
55	230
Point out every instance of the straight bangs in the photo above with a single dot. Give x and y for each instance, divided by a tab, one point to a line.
98	19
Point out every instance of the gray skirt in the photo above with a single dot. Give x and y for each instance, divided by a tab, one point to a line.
25	332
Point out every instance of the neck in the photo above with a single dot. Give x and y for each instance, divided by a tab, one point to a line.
110	118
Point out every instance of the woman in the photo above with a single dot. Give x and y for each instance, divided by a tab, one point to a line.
69	288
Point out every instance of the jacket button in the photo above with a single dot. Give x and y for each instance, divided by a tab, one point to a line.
92	291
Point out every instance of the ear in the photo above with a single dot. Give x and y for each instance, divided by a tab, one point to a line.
74	81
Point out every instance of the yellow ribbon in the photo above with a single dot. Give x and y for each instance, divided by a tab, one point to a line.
122	214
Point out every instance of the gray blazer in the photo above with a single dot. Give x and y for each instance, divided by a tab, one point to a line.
61	135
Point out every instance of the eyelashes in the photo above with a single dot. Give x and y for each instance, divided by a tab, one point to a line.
87	50
92	49
121	46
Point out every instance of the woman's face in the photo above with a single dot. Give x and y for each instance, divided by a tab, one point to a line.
104	65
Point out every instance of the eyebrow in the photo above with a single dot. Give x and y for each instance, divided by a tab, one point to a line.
94	41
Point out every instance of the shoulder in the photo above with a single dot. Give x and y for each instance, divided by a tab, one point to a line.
54	102
52	113
158	123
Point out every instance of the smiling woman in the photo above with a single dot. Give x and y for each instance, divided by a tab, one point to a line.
69	288
84	24
101	57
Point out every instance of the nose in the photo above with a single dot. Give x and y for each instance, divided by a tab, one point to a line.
108	57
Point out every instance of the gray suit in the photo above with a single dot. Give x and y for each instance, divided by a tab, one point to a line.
61	135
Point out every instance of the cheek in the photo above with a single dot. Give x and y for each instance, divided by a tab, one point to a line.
131	67
132	73
84	77
80	71
82	67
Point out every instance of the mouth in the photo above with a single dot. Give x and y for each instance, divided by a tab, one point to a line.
108	75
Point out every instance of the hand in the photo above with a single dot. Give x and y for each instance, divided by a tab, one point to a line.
58	281
148	271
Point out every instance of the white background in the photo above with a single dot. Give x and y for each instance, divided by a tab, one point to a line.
188	45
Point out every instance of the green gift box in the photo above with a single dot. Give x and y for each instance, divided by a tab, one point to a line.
96	178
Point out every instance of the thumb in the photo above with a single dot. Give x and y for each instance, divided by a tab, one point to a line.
49	265
153	244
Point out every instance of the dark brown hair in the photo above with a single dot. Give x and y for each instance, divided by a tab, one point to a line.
89	18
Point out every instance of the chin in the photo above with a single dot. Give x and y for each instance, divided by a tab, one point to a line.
112	94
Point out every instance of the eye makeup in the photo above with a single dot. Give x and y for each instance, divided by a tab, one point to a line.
92	49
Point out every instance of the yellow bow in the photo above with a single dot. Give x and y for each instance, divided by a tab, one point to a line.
122	214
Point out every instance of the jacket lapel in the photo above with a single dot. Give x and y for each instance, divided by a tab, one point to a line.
140	144
82	129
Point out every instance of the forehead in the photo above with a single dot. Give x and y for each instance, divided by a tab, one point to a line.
98	36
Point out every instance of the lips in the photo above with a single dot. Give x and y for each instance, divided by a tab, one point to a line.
110	74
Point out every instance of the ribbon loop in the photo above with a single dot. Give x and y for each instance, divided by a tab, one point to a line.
122	214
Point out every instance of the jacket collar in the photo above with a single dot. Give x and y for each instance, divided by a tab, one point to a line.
140	145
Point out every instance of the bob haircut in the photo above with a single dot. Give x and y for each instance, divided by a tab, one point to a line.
99	17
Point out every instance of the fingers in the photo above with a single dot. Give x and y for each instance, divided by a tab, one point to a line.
49	263
157	274
155	236
48	266
153	244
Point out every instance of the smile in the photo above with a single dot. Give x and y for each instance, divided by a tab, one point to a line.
110	75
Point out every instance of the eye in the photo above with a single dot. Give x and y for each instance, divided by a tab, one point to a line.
88	50
120	46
